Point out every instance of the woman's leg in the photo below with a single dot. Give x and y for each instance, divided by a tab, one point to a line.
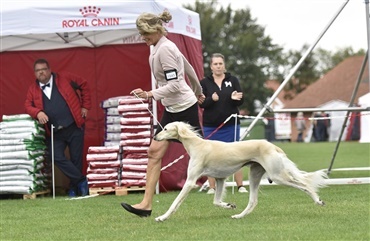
238	176
212	182
156	151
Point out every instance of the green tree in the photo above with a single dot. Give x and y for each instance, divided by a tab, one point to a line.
253	58
250	54
305	75
316	64
328	60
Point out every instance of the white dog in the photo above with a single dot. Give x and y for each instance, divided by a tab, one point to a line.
220	159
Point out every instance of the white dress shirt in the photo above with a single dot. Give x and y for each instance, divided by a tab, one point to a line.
47	90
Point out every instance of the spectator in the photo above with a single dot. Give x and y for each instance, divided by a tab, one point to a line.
53	100
223	96
321	126
300	124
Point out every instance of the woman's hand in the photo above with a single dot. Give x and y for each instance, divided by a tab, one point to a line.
141	94
236	95
201	98
215	96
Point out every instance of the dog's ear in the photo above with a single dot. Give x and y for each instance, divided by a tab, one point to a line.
182	130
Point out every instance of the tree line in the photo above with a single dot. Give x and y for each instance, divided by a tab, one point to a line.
252	57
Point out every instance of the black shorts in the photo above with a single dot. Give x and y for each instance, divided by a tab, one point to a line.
189	116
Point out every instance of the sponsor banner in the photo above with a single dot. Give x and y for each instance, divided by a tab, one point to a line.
283	128
40	17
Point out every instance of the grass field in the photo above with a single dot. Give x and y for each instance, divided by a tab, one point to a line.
283	213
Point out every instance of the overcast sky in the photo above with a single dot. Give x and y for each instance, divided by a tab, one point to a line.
292	23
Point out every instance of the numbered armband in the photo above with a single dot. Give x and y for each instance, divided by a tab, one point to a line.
170	74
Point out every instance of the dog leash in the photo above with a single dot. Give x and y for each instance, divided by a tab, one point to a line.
151	113
183	155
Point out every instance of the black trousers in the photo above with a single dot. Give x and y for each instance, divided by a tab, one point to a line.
189	116
72	137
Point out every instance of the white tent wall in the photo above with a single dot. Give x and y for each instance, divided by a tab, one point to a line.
40	25
364	101
337	119
96	50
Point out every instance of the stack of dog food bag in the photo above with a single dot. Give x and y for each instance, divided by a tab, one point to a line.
128	128
136	132
23	168
103	166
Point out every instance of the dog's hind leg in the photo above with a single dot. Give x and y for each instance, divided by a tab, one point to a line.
255	174
303	184
220	193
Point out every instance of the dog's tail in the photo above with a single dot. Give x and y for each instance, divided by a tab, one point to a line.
314	180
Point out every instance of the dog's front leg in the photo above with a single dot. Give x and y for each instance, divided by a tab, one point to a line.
179	199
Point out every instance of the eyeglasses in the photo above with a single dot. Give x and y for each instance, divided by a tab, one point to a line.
39	70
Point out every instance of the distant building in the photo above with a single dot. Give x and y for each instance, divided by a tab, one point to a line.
278	126
333	90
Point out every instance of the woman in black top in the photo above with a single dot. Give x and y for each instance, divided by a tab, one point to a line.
223	96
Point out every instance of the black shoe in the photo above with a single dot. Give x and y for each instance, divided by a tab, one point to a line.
139	212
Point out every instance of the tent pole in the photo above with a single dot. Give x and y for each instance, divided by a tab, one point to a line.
348	112
286	80
52	160
368	32
235	130
356	87
155	111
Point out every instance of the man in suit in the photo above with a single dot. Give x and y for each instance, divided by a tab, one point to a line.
62	100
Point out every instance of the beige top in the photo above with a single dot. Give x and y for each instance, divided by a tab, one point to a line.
169	67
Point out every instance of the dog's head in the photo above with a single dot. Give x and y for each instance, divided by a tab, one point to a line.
175	130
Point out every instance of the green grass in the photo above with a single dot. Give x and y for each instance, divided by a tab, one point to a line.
283	213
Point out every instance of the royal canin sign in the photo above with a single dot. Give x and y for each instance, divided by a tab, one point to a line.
90	18
189	27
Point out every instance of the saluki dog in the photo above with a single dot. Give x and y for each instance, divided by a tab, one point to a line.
221	159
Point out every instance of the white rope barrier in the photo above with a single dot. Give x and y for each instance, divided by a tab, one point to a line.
339	181
84	197
173	162
329	181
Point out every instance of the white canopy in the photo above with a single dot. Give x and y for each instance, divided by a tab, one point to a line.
364	101
71	35
40	25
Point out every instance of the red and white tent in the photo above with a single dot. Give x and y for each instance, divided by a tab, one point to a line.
98	40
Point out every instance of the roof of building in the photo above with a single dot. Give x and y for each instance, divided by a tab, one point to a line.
338	84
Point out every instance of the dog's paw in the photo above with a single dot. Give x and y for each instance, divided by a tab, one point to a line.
237	216
231	205
160	218
225	205
321	203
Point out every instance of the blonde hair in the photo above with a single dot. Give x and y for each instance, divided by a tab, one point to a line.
148	23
